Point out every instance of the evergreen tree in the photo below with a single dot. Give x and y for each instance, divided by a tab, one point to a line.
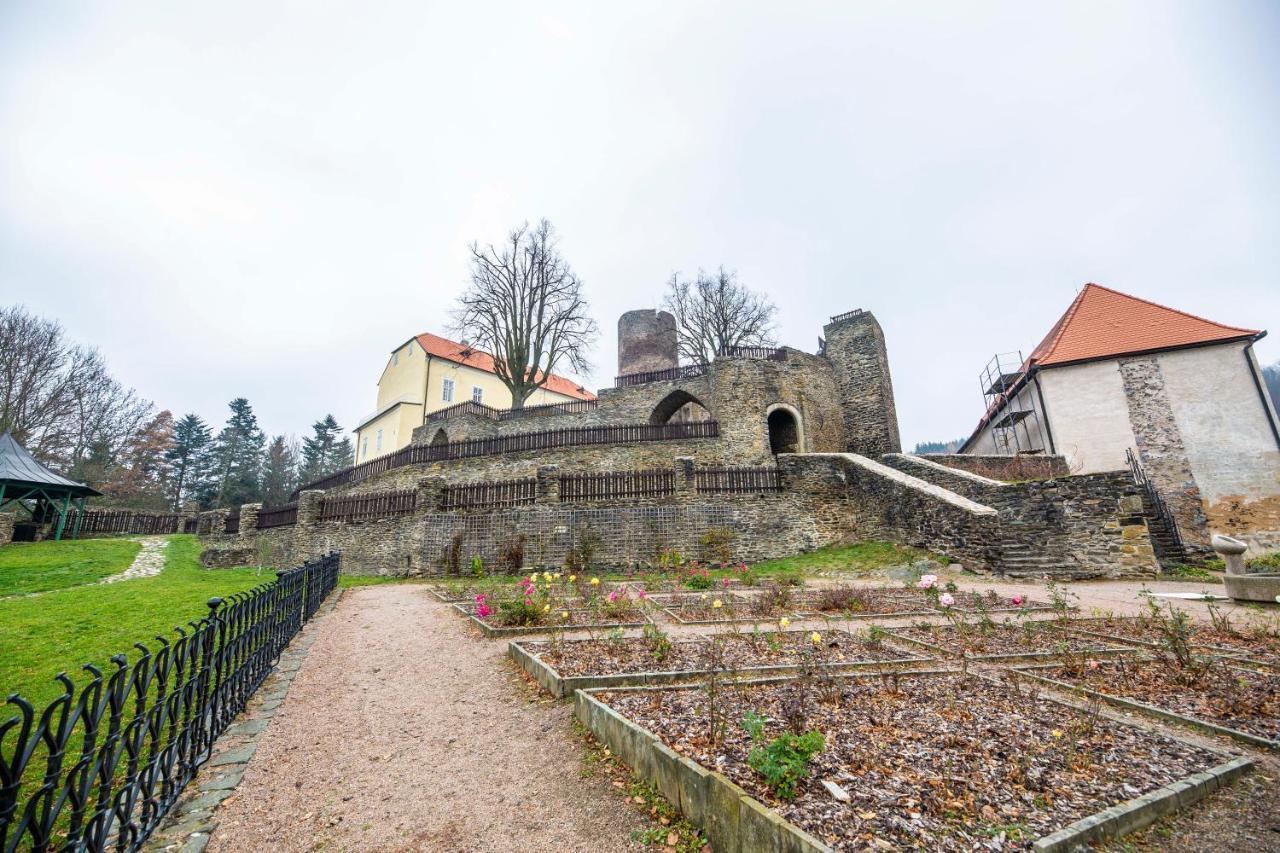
190	460
280	474
239	456
321	450
1271	376
344	455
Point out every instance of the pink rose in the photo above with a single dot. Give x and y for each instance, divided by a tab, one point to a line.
946	600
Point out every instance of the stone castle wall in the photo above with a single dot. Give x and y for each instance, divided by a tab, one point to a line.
1007	468
856	348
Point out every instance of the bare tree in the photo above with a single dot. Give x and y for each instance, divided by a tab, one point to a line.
525	306
715	313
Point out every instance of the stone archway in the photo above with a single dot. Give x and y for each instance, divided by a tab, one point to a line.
678	407
785	433
441	437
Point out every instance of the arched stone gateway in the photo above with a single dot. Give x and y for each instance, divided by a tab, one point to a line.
679	406
785	435
441	437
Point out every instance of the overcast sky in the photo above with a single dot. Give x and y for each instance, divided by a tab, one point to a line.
262	199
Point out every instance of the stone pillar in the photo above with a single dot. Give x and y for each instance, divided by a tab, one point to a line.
7	520
686	478
309	506
547	490
249	520
216	521
430	495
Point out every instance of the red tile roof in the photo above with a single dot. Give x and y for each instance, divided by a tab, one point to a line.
1102	323
459	354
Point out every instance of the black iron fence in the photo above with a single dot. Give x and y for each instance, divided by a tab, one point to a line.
1154	498
101	765
416	454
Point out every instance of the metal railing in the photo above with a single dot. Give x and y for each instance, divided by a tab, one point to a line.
416	454
100	767
1154	498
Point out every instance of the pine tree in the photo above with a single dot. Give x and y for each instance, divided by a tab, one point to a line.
344	455
320	450
279	475
239	456
190	460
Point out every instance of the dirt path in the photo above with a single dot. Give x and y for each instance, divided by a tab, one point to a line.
403	731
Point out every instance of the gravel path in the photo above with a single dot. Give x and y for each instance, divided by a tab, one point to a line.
148	563
405	731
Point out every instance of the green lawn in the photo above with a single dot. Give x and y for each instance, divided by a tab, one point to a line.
863	558
62	630
27	567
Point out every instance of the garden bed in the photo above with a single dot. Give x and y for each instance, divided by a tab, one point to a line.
1224	699
941	762
1006	641
992	602
577	619
863	601
720	607
565	666
1258	649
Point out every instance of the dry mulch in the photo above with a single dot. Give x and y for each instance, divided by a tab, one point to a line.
936	763
1254	646
1225	695
1003	639
748	649
404	731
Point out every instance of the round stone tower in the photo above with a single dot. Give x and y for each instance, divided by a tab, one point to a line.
646	341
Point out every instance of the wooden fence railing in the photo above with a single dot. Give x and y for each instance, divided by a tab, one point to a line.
232	523
114	522
368	506
766	353
544	440
617	484
721	480
684	371
470	407
498	493
278	516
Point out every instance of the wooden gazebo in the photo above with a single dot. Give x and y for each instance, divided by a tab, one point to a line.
42	493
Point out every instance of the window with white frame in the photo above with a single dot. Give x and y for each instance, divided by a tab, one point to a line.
364	447
477	394
377	442
448	391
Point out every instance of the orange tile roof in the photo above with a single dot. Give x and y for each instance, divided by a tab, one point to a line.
1102	323
459	354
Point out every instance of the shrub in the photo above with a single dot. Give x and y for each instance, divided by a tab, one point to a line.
783	761
519	611
699	579
1270	562
716	544
511	554
658	641
843	599
477	566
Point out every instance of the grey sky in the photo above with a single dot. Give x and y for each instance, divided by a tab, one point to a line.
261	199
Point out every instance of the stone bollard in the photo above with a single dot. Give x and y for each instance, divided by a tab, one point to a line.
7	521
249	520
547	489
430	495
309	504
686	477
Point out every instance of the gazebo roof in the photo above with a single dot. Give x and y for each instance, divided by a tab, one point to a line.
18	467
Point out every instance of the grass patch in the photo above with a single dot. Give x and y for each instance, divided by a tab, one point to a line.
345	581
62	630
863	558
1185	572
27	567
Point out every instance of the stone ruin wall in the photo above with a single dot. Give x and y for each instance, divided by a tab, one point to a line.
1007	468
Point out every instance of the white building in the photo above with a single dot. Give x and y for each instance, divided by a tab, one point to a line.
1184	394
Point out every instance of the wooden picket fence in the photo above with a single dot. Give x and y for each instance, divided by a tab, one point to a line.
115	522
368	507
497	493
612	485
738	480
278	516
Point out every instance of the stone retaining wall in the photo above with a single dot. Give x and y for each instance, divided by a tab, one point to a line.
1007	468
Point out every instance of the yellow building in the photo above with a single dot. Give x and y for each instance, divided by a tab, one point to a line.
428	373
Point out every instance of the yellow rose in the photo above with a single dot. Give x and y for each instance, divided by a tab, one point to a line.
1056	733
572	578
717	603
784	623
564	614
595	581
816	637
556	576
546	607
546	576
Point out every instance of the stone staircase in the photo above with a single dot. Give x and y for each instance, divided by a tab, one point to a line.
1165	542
